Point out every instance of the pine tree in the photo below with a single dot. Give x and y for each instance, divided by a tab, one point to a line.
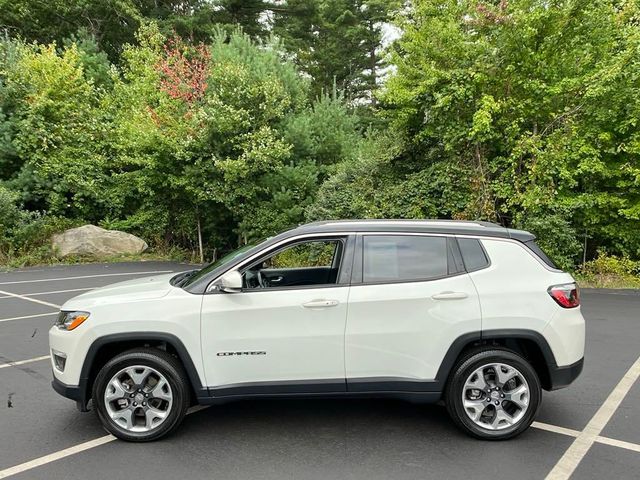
336	42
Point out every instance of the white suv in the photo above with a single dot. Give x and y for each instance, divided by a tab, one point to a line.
468	312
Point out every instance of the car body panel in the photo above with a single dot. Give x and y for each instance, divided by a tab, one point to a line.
294	342
400	330
170	310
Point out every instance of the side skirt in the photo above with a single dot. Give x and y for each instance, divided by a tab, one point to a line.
402	389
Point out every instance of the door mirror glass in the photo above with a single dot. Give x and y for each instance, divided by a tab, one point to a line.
230	282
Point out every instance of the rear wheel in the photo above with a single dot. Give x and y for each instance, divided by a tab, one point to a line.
493	394
141	395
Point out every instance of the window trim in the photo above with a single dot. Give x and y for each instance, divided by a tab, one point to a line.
347	239
358	271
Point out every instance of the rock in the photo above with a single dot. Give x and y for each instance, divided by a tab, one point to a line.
90	240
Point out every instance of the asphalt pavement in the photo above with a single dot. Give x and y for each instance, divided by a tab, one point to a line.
593	426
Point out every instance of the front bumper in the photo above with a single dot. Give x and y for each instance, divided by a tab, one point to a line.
561	377
72	392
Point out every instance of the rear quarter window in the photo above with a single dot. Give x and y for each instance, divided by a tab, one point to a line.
473	254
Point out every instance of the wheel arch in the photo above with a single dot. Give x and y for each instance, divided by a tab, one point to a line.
529	344
105	348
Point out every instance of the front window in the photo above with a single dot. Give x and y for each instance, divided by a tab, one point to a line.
314	262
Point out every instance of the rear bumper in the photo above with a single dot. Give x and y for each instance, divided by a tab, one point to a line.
561	377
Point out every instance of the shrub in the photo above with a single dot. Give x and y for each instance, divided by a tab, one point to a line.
610	271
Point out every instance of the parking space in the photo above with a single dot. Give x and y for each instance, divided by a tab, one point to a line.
592	426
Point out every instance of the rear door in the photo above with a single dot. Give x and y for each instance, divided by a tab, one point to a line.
409	301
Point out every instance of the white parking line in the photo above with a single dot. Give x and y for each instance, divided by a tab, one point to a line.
52	457
618	443
54	291
27	316
581	445
85	276
34	300
22	362
575	433
555	429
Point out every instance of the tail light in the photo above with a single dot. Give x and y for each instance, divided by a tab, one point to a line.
566	295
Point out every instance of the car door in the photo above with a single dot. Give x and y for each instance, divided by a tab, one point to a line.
410	300
284	332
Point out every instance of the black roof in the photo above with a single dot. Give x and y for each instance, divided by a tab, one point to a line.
450	227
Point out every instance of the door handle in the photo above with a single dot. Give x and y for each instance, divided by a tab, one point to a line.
275	279
449	296
320	303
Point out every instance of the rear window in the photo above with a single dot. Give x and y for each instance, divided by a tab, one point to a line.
404	258
473	254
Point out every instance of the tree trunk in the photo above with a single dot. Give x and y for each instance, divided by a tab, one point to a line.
372	63
200	239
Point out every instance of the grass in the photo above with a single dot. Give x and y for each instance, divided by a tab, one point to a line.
46	257
607	280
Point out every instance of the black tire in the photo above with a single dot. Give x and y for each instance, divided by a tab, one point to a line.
164	363
464	369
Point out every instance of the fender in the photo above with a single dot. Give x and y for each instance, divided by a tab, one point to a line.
183	354
463	341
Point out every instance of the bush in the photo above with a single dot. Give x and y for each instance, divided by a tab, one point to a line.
610	271
611	265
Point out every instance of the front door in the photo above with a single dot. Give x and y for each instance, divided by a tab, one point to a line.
284	332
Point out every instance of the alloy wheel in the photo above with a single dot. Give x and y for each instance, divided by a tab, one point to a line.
138	398
495	396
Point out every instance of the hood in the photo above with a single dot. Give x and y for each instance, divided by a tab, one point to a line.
147	288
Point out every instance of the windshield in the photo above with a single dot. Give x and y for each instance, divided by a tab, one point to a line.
218	263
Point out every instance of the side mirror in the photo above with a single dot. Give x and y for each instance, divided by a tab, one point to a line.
230	282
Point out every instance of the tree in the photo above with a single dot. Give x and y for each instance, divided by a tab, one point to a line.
336	42
539	101
53	127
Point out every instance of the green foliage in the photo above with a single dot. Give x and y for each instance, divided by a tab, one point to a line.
25	237
306	255
557	238
166	120
605	264
610	271
325	133
372	186
180	137
95	63
538	102
337	42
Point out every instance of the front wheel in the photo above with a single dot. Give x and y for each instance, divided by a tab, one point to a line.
141	395
493	394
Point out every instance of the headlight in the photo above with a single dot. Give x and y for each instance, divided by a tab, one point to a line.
71	320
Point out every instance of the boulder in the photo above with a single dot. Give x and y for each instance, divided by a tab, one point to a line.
90	240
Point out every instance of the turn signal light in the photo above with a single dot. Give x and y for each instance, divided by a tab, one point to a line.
566	295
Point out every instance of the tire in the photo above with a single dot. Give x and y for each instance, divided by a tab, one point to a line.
500	410
141	395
